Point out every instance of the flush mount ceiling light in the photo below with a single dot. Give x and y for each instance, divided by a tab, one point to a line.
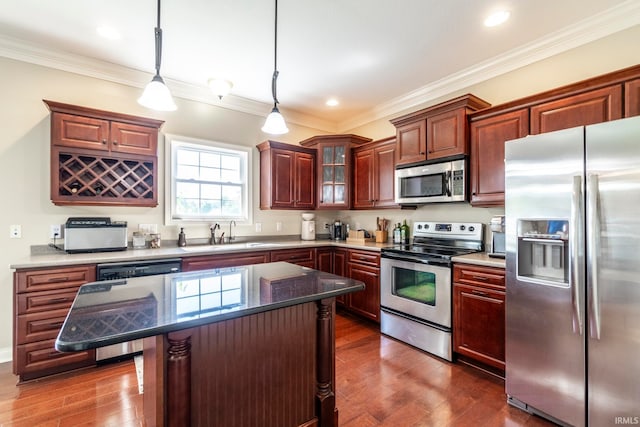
275	124
332	102
156	94
220	87
497	18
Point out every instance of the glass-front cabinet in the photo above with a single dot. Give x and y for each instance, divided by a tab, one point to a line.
334	168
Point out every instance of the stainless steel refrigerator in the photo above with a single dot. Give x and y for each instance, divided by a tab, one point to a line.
573	274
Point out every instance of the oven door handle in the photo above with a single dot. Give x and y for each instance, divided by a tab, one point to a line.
410	258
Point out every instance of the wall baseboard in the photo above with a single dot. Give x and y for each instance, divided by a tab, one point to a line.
6	354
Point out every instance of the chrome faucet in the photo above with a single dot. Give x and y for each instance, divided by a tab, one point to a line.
214	227
232	223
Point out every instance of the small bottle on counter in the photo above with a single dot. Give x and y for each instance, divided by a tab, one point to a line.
182	238
405	233
397	237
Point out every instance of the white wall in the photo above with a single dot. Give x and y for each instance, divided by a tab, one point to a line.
24	149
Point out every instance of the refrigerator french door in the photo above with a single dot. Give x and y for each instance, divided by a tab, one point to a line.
572	207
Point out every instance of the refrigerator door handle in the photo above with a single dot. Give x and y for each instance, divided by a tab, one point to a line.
593	220
576	279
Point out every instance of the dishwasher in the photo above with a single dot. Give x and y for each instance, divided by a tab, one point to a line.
125	270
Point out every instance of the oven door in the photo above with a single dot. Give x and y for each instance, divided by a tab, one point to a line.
419	290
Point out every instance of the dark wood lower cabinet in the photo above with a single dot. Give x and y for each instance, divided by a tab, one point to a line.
205	262
364	266
479	314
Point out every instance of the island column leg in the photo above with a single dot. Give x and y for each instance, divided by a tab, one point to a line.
178	411
325	397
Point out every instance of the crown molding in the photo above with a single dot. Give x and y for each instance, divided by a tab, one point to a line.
613	20
24	51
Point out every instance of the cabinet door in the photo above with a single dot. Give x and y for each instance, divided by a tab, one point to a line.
446	134
79	132
411	142
488	137
134	139
383	175
479	325
340	269
596	106
324	260
282	182
333	175
363	179
207	262
305	257
365	302
632	98
304	184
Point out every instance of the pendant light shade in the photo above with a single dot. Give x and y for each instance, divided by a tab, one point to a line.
156	94
275	124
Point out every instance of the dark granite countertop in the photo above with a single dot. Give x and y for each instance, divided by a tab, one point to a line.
115	311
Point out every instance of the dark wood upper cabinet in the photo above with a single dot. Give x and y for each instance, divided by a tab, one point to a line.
435	132
632	98
488	137
373	175
596	106
287	176
333	168
102	158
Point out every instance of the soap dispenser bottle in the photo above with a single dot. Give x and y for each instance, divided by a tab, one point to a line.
182	238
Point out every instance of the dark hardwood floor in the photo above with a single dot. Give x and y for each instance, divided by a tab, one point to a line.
380	382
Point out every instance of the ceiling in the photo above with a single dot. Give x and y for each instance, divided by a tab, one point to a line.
376	57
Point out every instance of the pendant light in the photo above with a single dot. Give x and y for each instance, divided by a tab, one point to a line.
275	124
156	94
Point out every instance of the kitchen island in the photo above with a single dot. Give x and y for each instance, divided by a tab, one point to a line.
240	346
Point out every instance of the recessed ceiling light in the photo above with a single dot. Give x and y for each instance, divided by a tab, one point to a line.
497	18
332	102
107	32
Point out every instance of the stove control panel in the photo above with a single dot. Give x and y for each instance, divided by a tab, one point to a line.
448	230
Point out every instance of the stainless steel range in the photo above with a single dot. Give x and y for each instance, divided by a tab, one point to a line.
415	284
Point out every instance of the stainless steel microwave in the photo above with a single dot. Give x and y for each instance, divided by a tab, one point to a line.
433	182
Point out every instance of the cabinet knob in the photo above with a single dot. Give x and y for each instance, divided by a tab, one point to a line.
422	153
115	142
104	142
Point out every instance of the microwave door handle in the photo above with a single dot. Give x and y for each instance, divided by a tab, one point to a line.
448	183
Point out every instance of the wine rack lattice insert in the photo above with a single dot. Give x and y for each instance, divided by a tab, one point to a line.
91	176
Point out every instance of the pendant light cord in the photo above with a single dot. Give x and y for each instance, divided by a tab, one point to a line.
275	58
158	33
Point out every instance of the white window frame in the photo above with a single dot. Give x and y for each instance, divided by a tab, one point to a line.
172	143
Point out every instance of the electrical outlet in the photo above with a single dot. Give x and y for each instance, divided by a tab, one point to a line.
278	226
55	231
258	227
15	231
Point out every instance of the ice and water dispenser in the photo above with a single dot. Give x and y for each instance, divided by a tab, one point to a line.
543	251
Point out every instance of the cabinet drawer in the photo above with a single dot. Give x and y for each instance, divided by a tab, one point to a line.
54	278
39	326
41	358
364	257
294	255
33	302
223	261
489	277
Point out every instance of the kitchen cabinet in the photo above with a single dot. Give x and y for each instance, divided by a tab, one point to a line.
340	269
595	106
364	266
102	158
287	176
373	175
632	98
42	298
333	172
435	132
479	314
488	136
206	262
305	257
324	259
590	101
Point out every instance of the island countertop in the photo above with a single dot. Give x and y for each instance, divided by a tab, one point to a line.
110	312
